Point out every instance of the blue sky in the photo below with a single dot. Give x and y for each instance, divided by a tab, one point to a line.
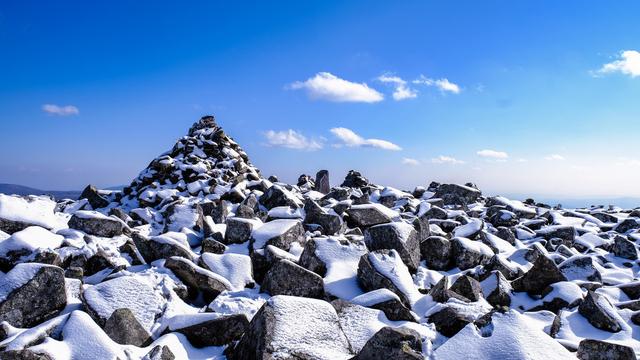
527	97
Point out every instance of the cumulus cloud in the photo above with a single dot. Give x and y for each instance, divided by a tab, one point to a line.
351	139
628	63
446	160
402	91
493	154
326	86
443	84
410	161
292	139
66	110
554	157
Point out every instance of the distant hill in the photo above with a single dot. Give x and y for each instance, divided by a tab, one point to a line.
25	190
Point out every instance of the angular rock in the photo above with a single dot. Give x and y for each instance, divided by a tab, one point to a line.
238	230
93	196
580	268
543	273
497	290
160	247
624	248
399	236
209	283
386	301
94	223
159	353
123	328
215	330
331	223
454	194
322	182
392	343
288	326
600	313
213	246
287	278
277	195
368	215
590	349
280	233
31	294
468	287
448	321
436	251
354	180
369	278
468	253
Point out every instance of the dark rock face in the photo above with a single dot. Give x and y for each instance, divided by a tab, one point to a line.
22	355
238	230
395	310
38	300
436	251
287	278
12	226
276	195
441	293
365	216
330	223
196	277
152	250
468	287
123	328
213	246
310	261
98	226
448	322
543	273
627	224
354	180
454	194
159	353
392	343
465	257
370	279
631	290
501	294
93	196
601	350
598	310
294	233
624	248
322	182
216	332
580	268
401	237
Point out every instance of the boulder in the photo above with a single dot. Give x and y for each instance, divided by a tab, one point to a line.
368	215
454	194
580	268
448	321
160	247
599	312
468	287
330	222
31	294
93	196
392	343
467	253
386	301
287	278
239	230
624	248
322	182
289	326
399	236
374	273
280	233
590	349
543	273
213	330
497	290
123	328
436	251
354	180
277	195
95	223
209	283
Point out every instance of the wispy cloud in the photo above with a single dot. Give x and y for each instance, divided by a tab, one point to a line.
554	157
292	139
402	91
326	86
66	110
410	162
446	160
443	84
628	63
493	154
351	139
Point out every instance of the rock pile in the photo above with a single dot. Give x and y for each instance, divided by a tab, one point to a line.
202	257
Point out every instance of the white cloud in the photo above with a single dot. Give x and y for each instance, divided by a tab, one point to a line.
292	139
522	160
410	161
493	154
402	91
351	139
628	64
60	110
326	86
554	157
443	84
446	160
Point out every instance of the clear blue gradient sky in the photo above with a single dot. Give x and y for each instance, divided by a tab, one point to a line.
90	92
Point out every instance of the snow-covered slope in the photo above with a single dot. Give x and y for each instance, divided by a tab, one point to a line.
200	257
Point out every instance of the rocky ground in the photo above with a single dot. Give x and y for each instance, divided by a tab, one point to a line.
201	257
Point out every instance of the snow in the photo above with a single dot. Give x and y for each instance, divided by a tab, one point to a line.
129	292
17	277
341	259
391	266
269	230
35	210
476	246
375	297
286	212
319	336
381	208
31	238
236	268
182	321
466	230
590	240
246	302
512	338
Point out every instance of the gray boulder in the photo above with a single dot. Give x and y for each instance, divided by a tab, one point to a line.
152	249
392	343
543	273
454	194
218	331
287	278
399	236
599	311
93	196
468	253
436	251
123	328
238	230
590	349
94	223
367	215
209	283
322	182
624	248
